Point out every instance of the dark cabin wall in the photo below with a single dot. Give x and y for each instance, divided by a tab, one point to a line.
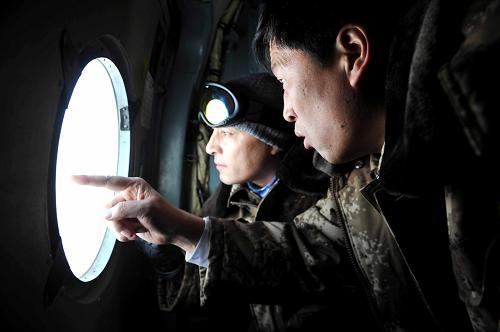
239	55
31	83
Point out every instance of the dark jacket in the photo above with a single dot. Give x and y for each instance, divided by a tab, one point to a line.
442	136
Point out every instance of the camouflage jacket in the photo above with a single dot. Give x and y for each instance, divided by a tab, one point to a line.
336	265
442	134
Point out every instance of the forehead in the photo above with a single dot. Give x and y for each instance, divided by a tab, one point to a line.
231	129
284	59
238	134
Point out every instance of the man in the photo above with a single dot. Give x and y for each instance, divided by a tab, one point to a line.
330	58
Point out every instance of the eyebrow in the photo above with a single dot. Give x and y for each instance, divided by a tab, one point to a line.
281	60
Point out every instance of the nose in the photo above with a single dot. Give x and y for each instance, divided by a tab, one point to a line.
288	112
213	146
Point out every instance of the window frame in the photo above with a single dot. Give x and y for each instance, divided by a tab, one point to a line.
60	277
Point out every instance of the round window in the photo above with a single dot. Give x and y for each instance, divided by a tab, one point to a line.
94	139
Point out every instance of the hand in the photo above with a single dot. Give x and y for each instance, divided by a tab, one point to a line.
139	210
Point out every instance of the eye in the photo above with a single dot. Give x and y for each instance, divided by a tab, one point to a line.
226	132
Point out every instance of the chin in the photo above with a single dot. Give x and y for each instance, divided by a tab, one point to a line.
328	156
227	181
337	159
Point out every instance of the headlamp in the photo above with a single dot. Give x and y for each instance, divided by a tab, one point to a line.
218	105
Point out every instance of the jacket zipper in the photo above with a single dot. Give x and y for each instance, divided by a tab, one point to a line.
350	251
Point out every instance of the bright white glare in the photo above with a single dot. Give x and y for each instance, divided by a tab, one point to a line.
88	144
216	111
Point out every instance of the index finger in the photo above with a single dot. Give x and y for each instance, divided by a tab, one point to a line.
115	183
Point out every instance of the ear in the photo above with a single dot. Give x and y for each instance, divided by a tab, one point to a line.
354	50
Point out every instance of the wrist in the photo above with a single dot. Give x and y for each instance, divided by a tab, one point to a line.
190	231
179	227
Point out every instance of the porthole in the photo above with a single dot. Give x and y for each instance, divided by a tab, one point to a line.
94	139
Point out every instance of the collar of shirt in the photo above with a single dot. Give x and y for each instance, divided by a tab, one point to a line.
261	191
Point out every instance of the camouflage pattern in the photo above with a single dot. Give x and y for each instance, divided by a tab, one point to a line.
342	234
397	296
262	238
259	259
239	206
337	259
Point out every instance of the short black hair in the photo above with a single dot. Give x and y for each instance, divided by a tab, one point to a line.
297	26
312	27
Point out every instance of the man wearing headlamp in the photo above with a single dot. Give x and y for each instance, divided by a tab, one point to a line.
265	174
249	133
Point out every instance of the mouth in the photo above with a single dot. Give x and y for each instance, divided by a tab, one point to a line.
306	142
220	166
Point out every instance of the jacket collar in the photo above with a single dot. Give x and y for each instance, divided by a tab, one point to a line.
344	169
298	173
241	194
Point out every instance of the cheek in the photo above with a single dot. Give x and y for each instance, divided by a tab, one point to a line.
318	125
262	160
244	160
237	162
304	98
251	161
298	94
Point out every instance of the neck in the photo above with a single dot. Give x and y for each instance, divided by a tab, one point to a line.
374	134
266	174
261	182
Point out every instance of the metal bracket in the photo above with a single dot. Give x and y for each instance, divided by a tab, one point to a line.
124	119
